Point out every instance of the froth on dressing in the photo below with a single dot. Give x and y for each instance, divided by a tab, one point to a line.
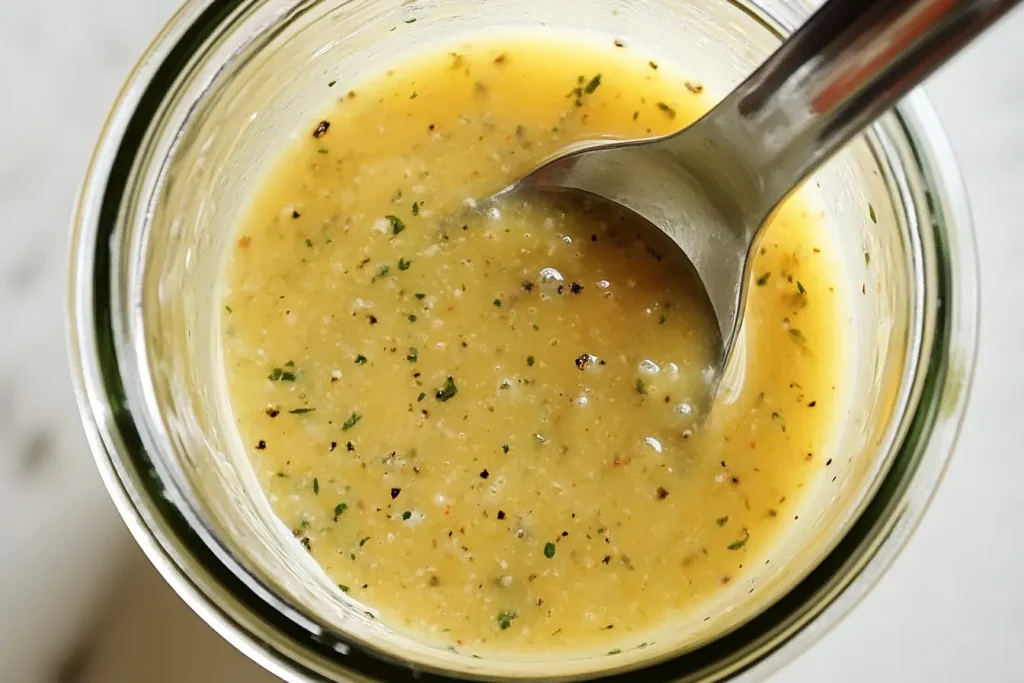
480	421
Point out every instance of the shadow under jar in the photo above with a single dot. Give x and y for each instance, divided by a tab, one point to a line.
207	110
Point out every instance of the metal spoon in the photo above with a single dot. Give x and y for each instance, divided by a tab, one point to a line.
714	185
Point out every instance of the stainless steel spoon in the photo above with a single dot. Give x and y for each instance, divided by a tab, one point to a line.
714	185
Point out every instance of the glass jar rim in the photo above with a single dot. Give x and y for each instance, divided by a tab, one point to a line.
268	629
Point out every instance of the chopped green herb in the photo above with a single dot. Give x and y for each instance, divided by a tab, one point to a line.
505	619
736	545
421	397
797	336
351	422
281	375
412	317
343	587
406	515
332	84
549	550
578	94
722	521
871	213
339	510
412	356
383	271
653	65
411	21
309	242
593	85
360	359
867	258
316	486
497	303
661	319
421	296
363	541
530	360
641	387
403	264
301	411
448	391
397	226
800	287
667	110
415	208
763	279
228	309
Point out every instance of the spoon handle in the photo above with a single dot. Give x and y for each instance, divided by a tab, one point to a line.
843	68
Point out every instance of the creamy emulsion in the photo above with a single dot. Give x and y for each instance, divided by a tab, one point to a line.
480	422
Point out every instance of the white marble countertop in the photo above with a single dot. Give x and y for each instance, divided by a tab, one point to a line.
951	609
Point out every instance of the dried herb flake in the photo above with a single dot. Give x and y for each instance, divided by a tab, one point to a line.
448	391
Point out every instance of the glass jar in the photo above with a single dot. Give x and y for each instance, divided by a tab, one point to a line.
200	117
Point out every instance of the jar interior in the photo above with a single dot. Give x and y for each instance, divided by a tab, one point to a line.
243	94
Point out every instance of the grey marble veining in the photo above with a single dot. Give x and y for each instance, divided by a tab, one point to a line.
952	608
61	65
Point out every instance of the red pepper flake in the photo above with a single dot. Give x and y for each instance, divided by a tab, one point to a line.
244	242
662	493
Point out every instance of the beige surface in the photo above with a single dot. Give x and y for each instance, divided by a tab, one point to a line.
148	635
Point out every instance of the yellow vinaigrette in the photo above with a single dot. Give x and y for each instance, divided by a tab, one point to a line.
480	423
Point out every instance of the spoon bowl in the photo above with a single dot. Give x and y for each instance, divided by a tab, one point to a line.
713	186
